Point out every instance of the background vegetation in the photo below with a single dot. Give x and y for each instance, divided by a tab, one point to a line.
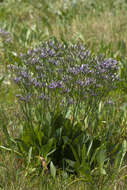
102	27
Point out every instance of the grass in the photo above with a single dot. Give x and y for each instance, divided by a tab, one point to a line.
102	26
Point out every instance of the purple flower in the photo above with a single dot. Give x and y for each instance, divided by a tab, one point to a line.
51	43
13	67
29	53
82	67
17	80
39	68
70	101
53	85
74	70
66	90
42	96
24	98
37	84
21	55
55	62
80	82
43	55
24	74
4	33
8	40
36	50
51	53
34	61
56	84
60	84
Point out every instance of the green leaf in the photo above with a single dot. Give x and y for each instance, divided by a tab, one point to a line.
101	155
1	80
84	154
66	139
52	170
84	170
76	156
121	154
28	135
39	135
89	148
124	150
5	131
29	155
49	148
51	152
102	171
21	146
70	162
28	34
11	150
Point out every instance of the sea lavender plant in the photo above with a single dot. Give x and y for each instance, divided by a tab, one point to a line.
59	78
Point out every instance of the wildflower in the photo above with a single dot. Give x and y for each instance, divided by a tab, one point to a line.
68	70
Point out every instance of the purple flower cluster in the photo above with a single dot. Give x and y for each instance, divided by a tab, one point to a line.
57	73
5	35
23	98
4	32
